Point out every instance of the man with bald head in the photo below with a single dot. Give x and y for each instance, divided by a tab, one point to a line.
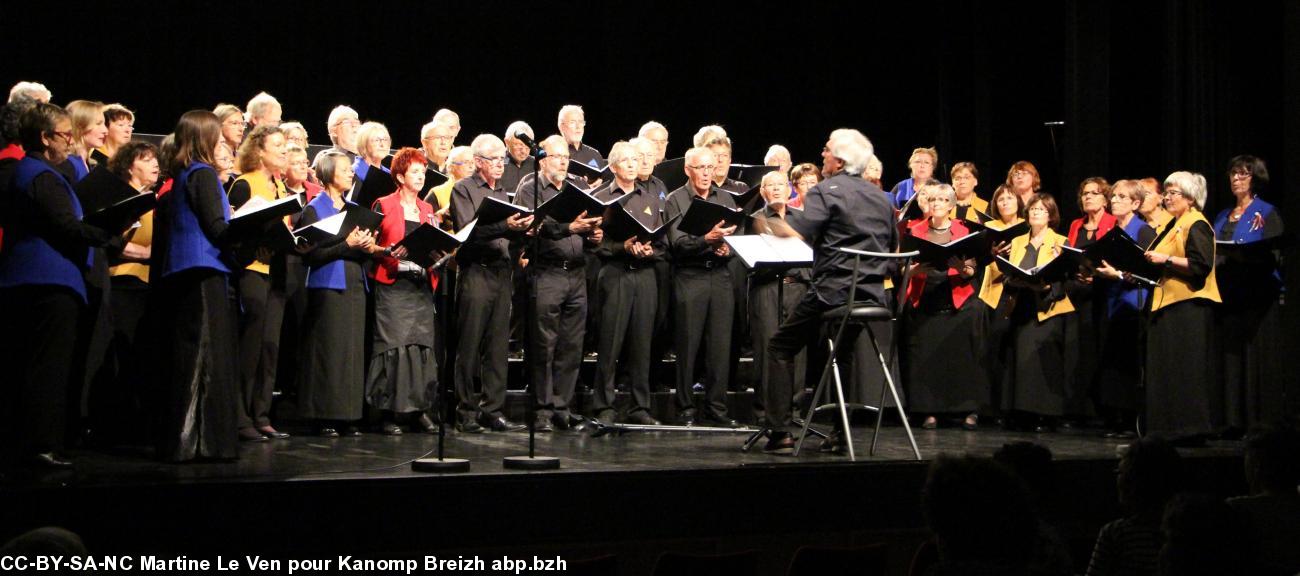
483	291
557	289
705	297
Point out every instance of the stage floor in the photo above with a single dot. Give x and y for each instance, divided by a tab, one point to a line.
373	456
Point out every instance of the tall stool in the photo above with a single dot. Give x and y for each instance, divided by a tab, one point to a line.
861	314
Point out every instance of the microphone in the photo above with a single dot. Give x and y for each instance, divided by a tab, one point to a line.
525	139
1057	123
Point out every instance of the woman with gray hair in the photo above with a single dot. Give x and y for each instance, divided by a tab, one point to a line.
1183	396
941	322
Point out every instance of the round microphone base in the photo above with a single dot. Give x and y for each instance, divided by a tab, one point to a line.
440	465
531	463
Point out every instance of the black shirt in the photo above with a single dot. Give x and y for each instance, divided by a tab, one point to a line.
688	247
586	155
47	213
556	244
655	186
845	211
644	205
489	243
516	172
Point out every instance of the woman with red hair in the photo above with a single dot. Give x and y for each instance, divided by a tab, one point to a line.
402	373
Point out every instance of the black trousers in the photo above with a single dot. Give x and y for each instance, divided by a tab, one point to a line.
559	301
704	313
483	327
765	316
122	397
856	358
38	338
627	327
259	346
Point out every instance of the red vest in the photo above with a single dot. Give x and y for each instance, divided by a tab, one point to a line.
392	230
961	287
1107	222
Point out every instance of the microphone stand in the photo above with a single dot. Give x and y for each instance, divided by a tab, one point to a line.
532	461
441	464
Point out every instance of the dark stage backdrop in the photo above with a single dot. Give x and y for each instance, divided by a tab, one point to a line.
1144	88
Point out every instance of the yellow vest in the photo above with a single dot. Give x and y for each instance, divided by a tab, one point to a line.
144	237
991	291
443	194
1020	245
261	185
1160	222
976	203
1172	288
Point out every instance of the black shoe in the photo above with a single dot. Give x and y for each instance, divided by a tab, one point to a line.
542	424
576	423
560	421
250	435
327	432
390	429
833	443
605	416
719	420
49	461
779	443
501	424
686	417
642	418
466	423
270	432
425	424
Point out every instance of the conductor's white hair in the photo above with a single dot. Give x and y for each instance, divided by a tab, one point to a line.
852	148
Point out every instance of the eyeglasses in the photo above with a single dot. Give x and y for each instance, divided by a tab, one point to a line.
66	136
441	138
1241	175
492	159
560	157
381	140
703	168
574	123
235	123
1021	173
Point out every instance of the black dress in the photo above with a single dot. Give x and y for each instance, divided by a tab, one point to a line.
1183	396
1249	332
941	355
332	373
1040	359
1089	319
403	372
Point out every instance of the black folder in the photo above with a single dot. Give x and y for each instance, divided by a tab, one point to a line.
340	225
993	235
491	211
247	224
110	203
432	179
703	215
972	245
751	174
1063	266
422	242
910	210
568	204
672	172
1279	242
376	185
619	225
579	169
1119	250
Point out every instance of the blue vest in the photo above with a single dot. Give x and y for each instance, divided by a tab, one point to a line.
1123	298
1242	234
79	168
187	246
329	276
902	192
28	259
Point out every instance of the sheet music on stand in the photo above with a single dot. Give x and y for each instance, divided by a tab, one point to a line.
765	251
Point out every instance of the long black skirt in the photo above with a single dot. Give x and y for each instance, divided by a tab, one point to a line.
1039	365
403	373
943	361
1183	398
332	376
1250	339
1120	371
199	385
